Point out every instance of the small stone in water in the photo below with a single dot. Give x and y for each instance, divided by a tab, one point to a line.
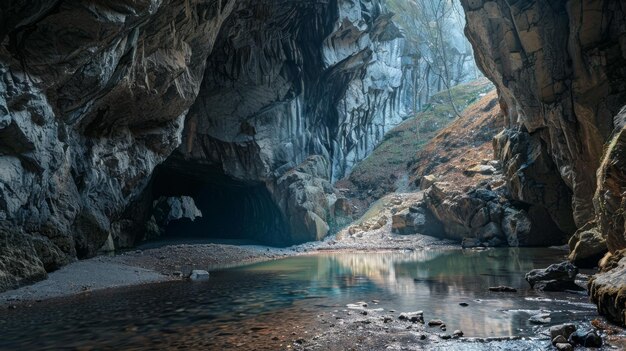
422	337
464	304
364	313
434	322
445	336
458	333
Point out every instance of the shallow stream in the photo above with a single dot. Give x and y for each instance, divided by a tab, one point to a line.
267	300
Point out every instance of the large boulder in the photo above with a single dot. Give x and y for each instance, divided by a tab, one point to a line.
608	289
557	277
307	199
487	216
416	219
587	246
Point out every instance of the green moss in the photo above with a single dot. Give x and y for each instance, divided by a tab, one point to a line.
400	145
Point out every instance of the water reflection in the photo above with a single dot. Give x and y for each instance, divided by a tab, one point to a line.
436	281
267	298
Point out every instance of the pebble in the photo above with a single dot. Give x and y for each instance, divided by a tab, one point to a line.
464	304
458	333
445	336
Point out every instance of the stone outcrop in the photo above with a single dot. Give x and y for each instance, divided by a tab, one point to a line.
486	215
416	219
608	289
95	95
559	70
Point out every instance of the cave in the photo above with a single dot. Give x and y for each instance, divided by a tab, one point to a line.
233	211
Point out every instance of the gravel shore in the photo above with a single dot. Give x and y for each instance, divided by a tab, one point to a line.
167	261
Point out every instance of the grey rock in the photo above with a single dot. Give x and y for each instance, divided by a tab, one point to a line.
563	346
585	338
557	277
198	274
564	330
560	339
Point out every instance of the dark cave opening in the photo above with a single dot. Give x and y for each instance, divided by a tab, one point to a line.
233	211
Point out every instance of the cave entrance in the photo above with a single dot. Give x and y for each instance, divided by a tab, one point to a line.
233	211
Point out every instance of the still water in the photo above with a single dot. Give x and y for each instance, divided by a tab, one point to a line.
255	302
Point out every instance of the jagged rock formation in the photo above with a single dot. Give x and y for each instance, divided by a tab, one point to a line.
560	72
95	95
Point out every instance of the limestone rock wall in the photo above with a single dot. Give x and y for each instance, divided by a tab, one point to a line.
560	70
95	94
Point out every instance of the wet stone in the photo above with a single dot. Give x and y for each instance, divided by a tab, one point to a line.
563	329
435	322
458	333
563	346
198	274
586	338
560	339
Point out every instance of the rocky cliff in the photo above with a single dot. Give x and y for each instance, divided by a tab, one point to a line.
560	70
232	95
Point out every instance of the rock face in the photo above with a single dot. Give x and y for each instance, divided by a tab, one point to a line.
560	72
95	95
486	215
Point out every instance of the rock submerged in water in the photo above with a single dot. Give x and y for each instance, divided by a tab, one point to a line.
557	277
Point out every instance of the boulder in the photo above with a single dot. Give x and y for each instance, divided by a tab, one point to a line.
562	330
585	338
557	277
416	220
587	246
